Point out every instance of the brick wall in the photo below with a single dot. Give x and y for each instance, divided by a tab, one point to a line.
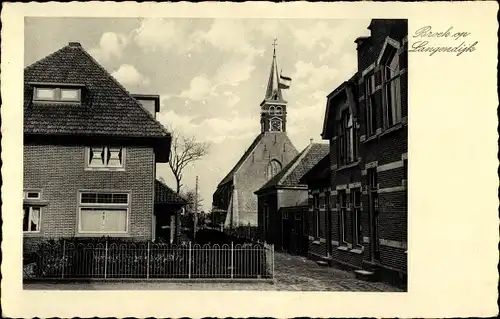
59	172
387	147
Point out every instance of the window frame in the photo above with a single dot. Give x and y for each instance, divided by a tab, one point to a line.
57	95
270	173
389	77
105	167
316	223
357	225
347	146
30	208
370	105
342	209
104	207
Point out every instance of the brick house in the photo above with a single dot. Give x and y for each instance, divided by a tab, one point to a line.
90	152
366	123
284	190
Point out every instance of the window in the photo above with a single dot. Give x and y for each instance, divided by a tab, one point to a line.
356	216
273	168
278	111
271	110
275	125
342	201
392	88
31	195
371	117
285	214
105	157
57	94
101	212
315	216
347	145
32	219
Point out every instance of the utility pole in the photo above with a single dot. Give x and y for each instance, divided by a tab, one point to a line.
195	217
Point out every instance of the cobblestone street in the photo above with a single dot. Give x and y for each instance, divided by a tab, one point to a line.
293	273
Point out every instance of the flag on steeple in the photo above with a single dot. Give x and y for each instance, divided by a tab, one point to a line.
285	82
277	82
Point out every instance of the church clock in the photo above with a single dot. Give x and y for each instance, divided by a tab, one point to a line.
276	125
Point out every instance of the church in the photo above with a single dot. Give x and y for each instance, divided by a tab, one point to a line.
270	151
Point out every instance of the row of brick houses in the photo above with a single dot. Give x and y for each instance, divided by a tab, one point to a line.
90	155
356	213
359	218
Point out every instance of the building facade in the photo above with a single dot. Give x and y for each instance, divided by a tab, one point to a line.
366	122
284	191
270	151
90	152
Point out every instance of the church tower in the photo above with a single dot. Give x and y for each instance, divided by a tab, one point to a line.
267	155
273	107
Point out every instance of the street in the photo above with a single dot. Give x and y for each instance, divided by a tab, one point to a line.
293	273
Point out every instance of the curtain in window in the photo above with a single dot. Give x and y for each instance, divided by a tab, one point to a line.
35	219
395	96
115	221
350	139
96	156
91	220
114	157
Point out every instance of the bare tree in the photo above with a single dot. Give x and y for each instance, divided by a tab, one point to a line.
184	152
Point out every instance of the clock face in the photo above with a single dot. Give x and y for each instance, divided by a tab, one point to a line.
275	125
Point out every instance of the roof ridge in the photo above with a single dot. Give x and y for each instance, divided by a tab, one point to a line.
296	163
121	87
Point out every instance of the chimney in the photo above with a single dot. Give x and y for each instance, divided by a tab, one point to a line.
311	141
75	44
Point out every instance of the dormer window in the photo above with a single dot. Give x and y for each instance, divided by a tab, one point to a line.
53	94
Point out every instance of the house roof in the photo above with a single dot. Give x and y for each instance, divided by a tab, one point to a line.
107	109
229	177
319	171
166	195
291	174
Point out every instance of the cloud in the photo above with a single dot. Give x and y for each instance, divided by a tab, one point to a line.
311	77
162	34
128	75
111	45
223	29
200	88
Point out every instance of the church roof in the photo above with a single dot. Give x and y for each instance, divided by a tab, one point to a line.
230	175
291	174
107	109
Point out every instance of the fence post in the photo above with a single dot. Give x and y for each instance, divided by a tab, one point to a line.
147	269
106	261
64	258
189	260
232	260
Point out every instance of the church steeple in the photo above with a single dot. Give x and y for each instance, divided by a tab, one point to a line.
273	107
273	91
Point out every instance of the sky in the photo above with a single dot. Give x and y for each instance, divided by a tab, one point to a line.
211	74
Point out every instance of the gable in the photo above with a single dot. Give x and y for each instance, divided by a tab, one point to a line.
106	110
229	177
